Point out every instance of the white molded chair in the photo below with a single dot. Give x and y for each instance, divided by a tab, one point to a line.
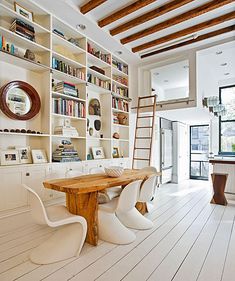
111	228
68	239
108	193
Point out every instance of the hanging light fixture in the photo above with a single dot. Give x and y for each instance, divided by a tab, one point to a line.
218	108
221	113
210	101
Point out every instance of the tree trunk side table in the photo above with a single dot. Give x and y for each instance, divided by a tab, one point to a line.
219	183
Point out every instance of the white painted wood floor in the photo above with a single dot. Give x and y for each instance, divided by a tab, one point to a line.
191	240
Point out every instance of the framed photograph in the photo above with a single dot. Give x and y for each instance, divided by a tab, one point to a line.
98	152
39	156
9	157
115	152
24	155
23	11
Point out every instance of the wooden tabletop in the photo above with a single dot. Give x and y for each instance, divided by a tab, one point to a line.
96	182
222	161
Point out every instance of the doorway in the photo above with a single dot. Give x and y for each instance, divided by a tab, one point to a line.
199	150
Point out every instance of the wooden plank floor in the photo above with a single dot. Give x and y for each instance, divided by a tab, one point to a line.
191	240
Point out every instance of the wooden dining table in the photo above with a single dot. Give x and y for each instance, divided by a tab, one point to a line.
82	194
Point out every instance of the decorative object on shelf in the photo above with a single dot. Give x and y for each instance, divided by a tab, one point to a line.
98	152
100	70
24	155
39	156
29	55
122	118
94	107
23	11
19	100
89	156
9	157
114	171
23	29
74	41
97	125
115	152
24	131
116	135
87	124
101	136
91	131
65	152
66	130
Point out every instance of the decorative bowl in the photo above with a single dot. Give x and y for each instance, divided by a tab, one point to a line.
114	171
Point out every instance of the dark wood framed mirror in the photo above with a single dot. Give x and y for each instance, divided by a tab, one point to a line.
19	100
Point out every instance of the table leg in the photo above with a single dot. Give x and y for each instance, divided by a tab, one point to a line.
219	183
86	205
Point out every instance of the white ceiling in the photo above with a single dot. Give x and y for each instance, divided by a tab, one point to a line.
69	11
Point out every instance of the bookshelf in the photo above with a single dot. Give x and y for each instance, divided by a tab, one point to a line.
64	55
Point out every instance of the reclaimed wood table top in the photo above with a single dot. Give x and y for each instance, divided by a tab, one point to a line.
96	182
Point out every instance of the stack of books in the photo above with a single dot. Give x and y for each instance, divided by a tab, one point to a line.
23	29
120	66
68	107
67	131
120	91
65	153
120	79
68	69
104	57
67	89
98	82
120	104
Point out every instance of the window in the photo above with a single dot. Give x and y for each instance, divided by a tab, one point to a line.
227	122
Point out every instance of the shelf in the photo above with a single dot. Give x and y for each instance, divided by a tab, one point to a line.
120	84
94	138
122	126
116	71
96	61
67	60
23	134
121	97
22	42
123	140
56	94
58	40
97	89
69	117
59	75
120	111
22	62
9	15
98	74
68	137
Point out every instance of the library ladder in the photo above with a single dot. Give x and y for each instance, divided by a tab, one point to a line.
151	104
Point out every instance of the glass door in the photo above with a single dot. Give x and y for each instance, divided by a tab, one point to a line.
199	149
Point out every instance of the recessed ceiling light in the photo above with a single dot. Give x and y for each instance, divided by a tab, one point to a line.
185	66
118	52
227	73
81	26
224	64
219	53
156	73
166	81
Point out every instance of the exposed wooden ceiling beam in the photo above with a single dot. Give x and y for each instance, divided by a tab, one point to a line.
198	39
124	12
203	9
91	5
185	32
149	16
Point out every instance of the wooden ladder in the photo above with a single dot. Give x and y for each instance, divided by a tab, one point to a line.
153	100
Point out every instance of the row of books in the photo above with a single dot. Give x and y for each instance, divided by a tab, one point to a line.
68	107
98	54
98	82
65	153
120	79
23	29
66	89
68	69
120	104
8	47
120	91
120	66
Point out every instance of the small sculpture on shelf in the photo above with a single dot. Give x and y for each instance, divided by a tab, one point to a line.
30	55
94	107
116	135
122	118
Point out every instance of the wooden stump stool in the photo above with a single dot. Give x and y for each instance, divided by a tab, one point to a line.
219	183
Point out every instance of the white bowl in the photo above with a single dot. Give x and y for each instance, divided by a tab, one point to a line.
114	171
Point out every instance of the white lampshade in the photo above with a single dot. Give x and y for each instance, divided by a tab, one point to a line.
212	101
218	108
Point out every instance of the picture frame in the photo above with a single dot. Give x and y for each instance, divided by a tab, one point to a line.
23	11
24	155
39	156
9	157
116	152
98	152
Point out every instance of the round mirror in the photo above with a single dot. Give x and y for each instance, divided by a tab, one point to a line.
19	100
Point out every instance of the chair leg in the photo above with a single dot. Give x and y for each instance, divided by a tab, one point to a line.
112	230
134	219
65	243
